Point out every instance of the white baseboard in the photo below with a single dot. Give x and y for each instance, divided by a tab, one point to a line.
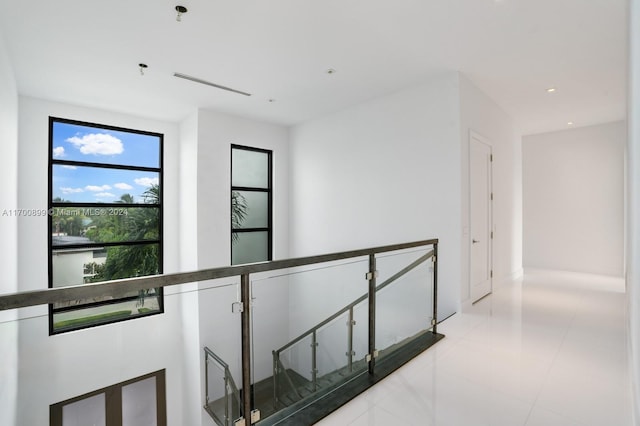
497	284
516	275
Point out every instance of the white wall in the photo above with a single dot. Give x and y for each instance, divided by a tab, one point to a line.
573	186
385	171
480	114
188	193
633	206
188	261
55	368
9	240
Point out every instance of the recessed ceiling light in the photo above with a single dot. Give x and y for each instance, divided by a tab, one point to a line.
271	100
551	90
570	123
331	71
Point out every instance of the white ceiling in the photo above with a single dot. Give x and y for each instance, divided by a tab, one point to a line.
87	52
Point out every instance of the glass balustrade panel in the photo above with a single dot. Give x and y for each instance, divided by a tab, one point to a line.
219	326
333	345
404	301
293	329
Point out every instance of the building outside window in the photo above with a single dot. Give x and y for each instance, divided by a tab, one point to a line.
105	218
251	205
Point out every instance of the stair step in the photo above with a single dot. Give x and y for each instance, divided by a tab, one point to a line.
286	399
304	387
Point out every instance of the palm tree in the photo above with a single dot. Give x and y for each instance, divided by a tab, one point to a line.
238	212
125	199
142	223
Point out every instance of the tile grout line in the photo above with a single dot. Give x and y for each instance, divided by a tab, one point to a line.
551	364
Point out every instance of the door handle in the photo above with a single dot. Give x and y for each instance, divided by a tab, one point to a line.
474	241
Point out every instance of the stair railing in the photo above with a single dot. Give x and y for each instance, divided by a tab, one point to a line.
277	362
230	390
122	287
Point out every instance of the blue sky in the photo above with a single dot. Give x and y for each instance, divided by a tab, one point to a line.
90	144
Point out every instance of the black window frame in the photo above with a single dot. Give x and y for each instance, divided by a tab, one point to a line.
268	191
86	205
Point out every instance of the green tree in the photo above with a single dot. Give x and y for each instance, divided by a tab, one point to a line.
141	223
68	220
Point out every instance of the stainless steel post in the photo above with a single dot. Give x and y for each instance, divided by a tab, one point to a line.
275	378
350	340
435	288
314	360
372	312
246	347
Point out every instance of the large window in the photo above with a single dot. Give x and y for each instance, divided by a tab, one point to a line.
251	200
105	218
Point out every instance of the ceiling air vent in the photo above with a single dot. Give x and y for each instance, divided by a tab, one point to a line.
208	83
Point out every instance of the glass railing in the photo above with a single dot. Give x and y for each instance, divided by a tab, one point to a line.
405	290
222	397
311	328
282	342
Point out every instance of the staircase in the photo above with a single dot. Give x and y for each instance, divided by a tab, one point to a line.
288	390
305	388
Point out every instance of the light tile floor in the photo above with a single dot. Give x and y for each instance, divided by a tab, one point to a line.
546	350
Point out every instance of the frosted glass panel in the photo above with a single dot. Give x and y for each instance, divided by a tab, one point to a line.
139	403
250	168
257	204
250	247
88	411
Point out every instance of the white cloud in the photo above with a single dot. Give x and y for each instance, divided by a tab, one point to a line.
98	144
71	190
105	195
123	186
147	181
58	151
96	188
69	167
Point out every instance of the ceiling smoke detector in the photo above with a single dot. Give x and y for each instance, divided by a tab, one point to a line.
181	10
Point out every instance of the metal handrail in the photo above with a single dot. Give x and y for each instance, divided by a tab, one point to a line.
216	357
360	299
119	288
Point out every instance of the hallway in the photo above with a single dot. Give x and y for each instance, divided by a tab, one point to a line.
547	350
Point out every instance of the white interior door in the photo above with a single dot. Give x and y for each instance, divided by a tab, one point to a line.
481	223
